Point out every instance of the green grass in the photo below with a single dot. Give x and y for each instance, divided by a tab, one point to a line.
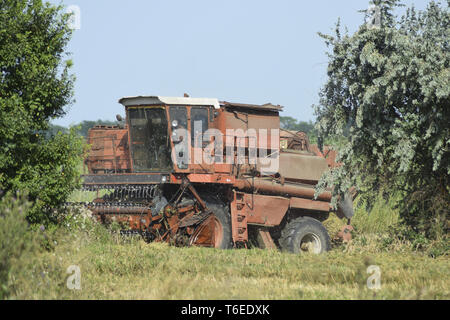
86	196
116	268
135	270
380	220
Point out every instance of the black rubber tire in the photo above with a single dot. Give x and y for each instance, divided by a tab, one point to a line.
222	213
301	230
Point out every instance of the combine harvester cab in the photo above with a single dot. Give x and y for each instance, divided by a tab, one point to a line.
191	171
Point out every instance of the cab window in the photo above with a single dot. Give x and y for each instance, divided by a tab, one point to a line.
199	124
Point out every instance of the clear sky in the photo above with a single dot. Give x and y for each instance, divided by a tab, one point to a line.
239	51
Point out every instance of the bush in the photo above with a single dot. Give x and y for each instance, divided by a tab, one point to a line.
388	87
16	238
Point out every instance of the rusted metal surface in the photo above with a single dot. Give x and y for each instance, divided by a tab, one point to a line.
109	152
205	234
295	140
211	178
346	233
277	188
197	196
265	210
265	240
242	123
239	220
137	222
328	153
307	204
124	179
267	106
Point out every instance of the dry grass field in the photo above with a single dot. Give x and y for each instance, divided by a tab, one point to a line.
113	267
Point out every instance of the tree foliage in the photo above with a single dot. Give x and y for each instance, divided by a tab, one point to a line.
292	124
81	128
35	87
389	86
289	123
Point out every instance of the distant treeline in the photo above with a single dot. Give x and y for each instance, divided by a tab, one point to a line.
289	123
82	128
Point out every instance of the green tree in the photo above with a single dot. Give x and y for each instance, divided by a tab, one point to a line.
289	123
292	124
389	86
35	87
54	130
81	128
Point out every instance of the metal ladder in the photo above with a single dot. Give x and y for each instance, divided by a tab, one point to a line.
239	219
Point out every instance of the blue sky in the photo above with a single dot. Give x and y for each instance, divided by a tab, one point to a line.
240	51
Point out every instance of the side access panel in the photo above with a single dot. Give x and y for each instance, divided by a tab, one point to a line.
265	211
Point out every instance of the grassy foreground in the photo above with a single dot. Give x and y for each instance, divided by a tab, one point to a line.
113	267
140	271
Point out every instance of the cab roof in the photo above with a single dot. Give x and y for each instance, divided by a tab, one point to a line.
157	100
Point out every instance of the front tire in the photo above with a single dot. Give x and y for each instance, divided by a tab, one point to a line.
305	235
222	219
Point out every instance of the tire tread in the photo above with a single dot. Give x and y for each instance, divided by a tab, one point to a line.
288	234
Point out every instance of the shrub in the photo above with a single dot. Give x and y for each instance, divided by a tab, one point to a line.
388	87
16	238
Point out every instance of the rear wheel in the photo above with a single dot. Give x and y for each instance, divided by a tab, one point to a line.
305	235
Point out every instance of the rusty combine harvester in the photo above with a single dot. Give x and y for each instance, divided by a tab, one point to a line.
154	185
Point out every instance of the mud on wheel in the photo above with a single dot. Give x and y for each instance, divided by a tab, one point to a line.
305	235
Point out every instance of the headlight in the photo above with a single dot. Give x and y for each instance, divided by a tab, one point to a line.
164	179
175	123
